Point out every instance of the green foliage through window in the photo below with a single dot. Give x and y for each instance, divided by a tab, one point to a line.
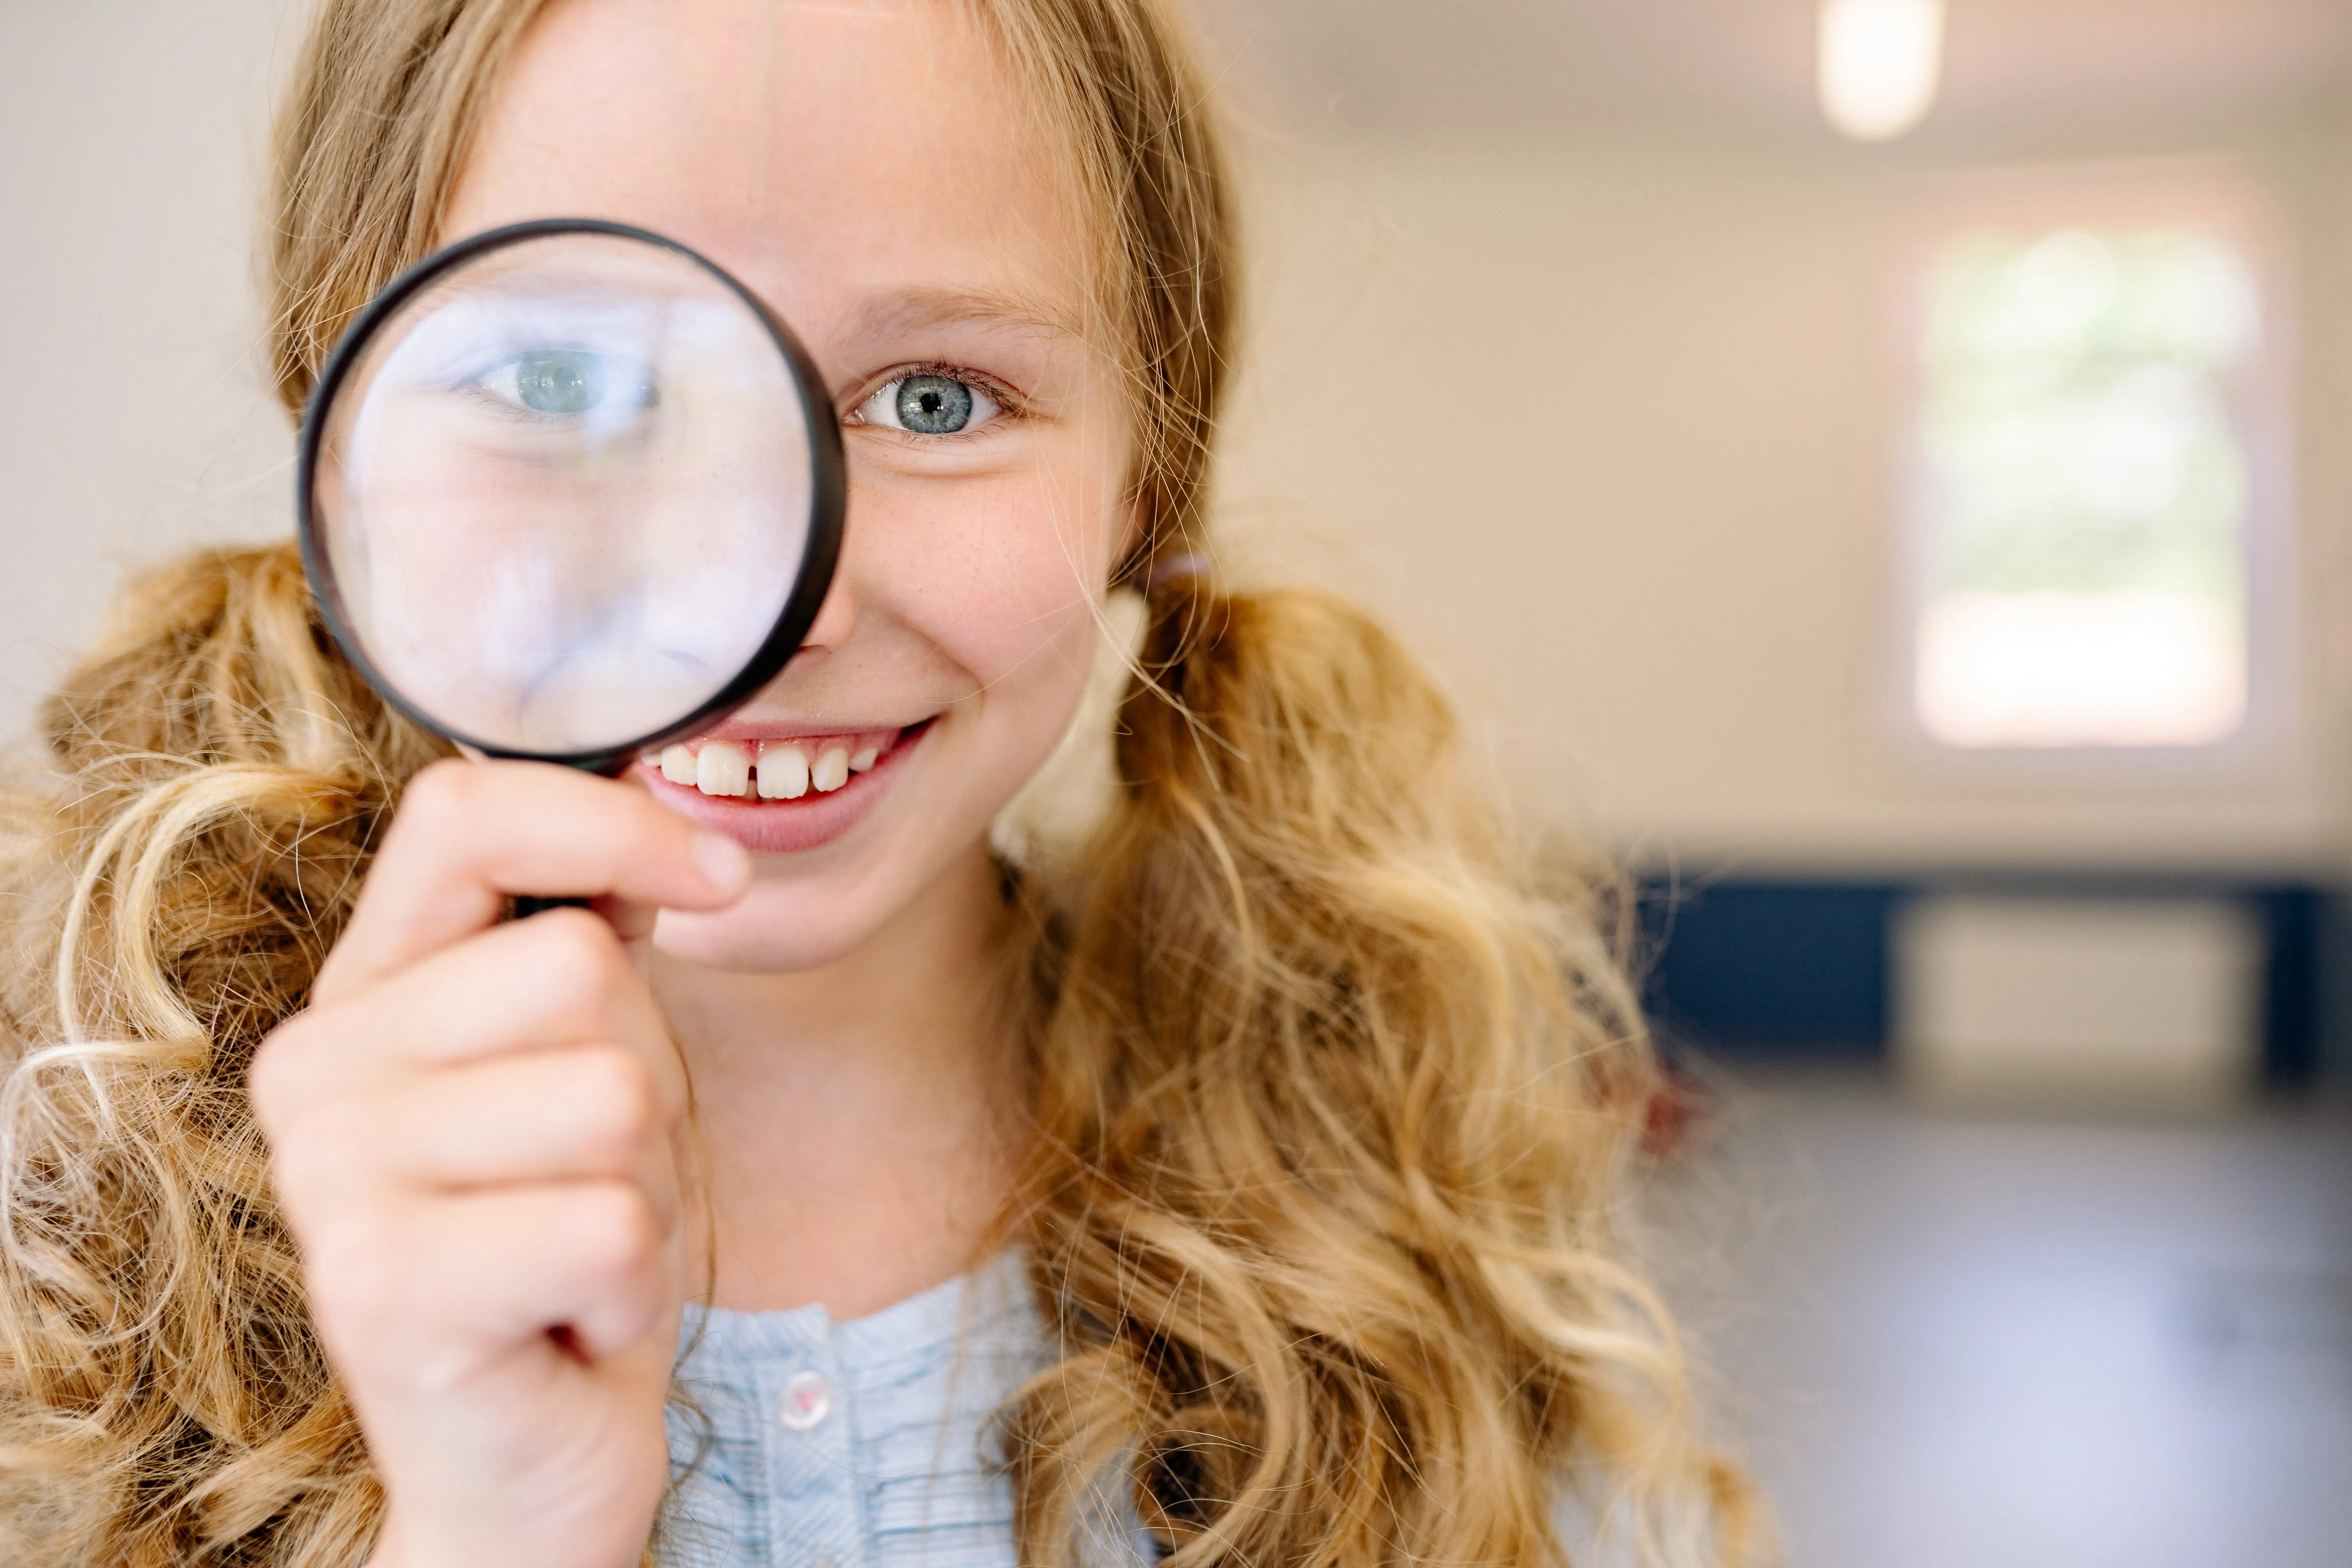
2086	490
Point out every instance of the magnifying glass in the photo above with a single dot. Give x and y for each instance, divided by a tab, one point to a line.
567	491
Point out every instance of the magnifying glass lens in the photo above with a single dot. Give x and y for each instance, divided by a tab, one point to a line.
563	494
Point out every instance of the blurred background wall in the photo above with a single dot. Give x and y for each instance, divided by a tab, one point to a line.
1589	347
132	418
1612	429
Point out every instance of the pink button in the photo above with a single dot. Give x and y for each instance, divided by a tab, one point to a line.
807	1401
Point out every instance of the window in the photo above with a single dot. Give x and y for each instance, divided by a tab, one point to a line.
2086	490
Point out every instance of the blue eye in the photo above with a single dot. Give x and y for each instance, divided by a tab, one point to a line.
928	404
562	383
933	405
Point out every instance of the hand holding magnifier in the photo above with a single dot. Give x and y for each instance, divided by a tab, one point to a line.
567	491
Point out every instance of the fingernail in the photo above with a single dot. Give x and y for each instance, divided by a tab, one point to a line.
723	862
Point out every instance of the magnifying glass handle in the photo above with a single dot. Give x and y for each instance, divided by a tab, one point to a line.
525	907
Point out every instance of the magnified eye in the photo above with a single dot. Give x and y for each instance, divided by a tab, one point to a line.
569	382
928	406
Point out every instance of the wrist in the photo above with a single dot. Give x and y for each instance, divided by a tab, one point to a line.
396	1547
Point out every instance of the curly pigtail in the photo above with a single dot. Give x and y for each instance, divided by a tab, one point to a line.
1334	1113
161	1394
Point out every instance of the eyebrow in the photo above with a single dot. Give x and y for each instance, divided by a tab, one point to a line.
914	310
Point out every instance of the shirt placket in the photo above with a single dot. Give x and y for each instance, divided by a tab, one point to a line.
814	1506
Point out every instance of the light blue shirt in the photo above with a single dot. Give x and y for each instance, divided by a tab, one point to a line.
858	1445
868	1444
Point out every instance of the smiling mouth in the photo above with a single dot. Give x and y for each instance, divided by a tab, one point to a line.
778	772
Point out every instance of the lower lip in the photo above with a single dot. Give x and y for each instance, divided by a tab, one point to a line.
787	826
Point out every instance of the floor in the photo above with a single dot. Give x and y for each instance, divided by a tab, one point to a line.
1961	1343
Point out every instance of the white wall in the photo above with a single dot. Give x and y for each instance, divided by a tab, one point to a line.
131	420
1608	429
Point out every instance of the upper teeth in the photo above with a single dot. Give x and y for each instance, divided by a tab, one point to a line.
784	770
722	767
831	769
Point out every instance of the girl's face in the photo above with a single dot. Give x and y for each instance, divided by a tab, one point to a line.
868	168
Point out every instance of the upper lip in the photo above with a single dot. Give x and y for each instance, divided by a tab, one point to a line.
742	728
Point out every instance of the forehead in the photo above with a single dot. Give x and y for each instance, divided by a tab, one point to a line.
832	152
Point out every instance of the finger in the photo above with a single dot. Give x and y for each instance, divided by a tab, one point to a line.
496	1270
549	1117
558	980
471	835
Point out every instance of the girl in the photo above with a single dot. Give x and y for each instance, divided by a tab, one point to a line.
1239	1190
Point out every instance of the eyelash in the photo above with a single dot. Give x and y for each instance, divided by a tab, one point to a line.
1008	404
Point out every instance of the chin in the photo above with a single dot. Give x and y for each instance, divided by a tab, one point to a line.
779	927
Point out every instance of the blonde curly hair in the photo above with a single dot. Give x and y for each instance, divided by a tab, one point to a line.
1333	1106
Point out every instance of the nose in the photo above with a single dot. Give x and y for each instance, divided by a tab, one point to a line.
835	618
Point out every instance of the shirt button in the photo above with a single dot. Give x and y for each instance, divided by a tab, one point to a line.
807	1401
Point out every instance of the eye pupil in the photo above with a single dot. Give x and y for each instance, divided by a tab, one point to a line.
558	381
934	405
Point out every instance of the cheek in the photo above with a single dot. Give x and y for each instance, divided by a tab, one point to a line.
1014	599
1004	581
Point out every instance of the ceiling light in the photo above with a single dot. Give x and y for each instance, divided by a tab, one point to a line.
1881	61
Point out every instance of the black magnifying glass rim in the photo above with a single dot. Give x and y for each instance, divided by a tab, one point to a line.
828	496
